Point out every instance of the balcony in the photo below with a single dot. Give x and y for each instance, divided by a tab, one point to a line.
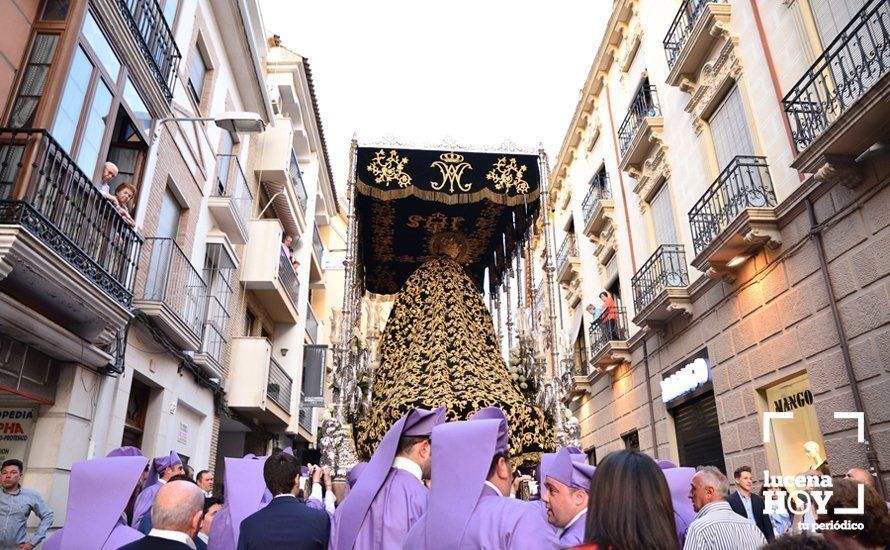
608	337
659	287
316	271
258	386
211	355
735	217
174	295
698	26
841	105
598	206
63	246
279	172
268	273
640	132
567	259
154	38
231	201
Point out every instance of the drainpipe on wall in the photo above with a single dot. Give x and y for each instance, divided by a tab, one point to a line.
870	453
649	397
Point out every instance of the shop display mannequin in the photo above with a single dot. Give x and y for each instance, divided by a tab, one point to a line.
811	448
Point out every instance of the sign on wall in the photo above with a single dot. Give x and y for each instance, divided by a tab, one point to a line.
685	380
16	431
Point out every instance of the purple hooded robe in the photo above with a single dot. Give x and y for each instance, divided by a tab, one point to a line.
98	492
152	485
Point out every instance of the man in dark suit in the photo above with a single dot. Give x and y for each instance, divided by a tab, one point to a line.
211	507
285	522
748	504
175	516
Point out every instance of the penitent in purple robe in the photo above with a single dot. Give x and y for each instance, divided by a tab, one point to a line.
152	485
398	505
497	523
98	492
573	535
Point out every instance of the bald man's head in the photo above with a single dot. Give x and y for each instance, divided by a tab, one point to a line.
860	475
178	506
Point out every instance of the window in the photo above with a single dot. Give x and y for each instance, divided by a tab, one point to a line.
663	216
225	161
197	74
137	410
631	440
218	272
249	323
832	16
729	129
94	37
73	97
580	355
169	10
94	129
34	80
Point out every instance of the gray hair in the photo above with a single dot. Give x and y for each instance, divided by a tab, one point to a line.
712	477
175	506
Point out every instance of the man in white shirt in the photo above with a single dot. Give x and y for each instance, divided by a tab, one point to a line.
205	482
175	516
716	526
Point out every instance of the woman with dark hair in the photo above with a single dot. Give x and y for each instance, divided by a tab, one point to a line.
630	505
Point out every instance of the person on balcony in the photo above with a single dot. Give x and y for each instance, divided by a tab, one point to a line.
122	196
109	172
286	243
609	316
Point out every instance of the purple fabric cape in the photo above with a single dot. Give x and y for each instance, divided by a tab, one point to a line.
354	510
574	535
678	480
243	488
98	492
124	451
399	504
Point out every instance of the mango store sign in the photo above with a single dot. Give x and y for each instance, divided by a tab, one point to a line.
685	380
16	430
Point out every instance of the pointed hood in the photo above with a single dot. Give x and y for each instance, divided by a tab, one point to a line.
417	422
98	493
569	472
159	464
494	413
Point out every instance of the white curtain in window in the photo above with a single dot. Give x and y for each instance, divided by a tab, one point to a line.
663	216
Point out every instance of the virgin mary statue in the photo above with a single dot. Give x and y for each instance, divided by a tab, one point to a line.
439	349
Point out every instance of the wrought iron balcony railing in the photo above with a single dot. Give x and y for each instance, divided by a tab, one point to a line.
311	324
146	21
232	184
745	182
173	281
644	104
214	341
296	177
846	70
599	190
287	277
317	244
42	189
280	385
678	34
568	249
610	326
666	268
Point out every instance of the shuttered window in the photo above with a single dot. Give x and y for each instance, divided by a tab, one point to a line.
729	129
698	433
832	16
313	375
663	216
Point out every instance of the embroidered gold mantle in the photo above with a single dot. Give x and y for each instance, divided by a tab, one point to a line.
439	349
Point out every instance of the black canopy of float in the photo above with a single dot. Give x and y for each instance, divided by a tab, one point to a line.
406	196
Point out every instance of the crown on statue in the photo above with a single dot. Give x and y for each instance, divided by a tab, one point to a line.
452	158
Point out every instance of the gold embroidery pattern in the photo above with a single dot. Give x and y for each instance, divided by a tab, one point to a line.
452	167
439	348
390	169
506	175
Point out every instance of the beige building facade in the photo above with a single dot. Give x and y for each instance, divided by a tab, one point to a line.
724	179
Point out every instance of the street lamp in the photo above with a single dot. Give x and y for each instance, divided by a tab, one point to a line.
230	121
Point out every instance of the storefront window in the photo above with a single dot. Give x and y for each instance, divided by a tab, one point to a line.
798	441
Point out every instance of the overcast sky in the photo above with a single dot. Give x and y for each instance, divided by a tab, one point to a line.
476	71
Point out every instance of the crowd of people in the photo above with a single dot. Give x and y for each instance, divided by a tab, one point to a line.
431	485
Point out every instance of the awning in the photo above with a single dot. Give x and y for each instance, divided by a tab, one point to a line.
575	325
407	196
283	206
